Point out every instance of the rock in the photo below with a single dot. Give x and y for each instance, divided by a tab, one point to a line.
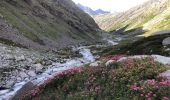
95	64
9	57
166	41
29	60
19	79
108	63
15	73
161	59
32	73
23	75
21	58
27	87
38	68
97	57
166	74
49	62
167	50
10	83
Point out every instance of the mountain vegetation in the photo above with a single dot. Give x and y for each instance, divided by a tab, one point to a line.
54	50
46	24
152	16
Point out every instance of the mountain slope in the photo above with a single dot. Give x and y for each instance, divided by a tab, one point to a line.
104	19
152	15
45	23
90	11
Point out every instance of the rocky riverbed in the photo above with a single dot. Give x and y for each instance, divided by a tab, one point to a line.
23	68
20	66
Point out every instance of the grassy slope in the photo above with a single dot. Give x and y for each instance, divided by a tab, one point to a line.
54	21
143	45
139	16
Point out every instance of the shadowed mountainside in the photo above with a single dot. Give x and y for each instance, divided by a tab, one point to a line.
45	24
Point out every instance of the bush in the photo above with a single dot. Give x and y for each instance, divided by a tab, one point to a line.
103	83
151	90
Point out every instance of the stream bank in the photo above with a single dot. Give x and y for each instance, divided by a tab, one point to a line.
52	70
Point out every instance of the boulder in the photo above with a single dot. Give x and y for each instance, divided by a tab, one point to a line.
166	41
38	68
166	74
29	60
97	57
32	73
108	63
9	57
23	75
10	83
27	87
20	58
95	64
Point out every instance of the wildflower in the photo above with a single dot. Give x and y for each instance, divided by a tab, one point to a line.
151	82
154	95
165	83
135	87
148	98
141	95
165	98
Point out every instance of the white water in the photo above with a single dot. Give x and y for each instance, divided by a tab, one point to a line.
112	42
50	72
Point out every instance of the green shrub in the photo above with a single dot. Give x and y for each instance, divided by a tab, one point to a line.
100	83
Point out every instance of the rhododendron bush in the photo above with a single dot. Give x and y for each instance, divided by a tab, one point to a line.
133	79
151	90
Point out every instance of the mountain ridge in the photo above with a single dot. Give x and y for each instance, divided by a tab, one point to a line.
90	11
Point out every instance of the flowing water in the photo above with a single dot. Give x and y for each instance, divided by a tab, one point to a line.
51	71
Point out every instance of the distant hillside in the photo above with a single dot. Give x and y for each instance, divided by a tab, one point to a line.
92	12
104	20
45	24
153	15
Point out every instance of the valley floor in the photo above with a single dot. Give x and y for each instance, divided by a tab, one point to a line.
29	74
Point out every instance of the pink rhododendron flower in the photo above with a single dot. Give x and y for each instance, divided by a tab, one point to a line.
114	57
151	82
141	95
165	82
165	98
135	87
148	98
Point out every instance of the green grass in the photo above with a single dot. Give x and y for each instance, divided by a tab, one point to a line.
45	22
102	83
136	22
144	45
11	43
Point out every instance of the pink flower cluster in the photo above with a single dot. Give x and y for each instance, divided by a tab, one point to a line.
151	82
70	71
62	74
38	89
150	89
167	82
113	57
165	98
135	87
31	93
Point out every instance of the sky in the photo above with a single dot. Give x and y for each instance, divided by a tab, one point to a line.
110	5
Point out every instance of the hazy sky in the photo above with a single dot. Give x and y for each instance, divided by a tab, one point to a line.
110	5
